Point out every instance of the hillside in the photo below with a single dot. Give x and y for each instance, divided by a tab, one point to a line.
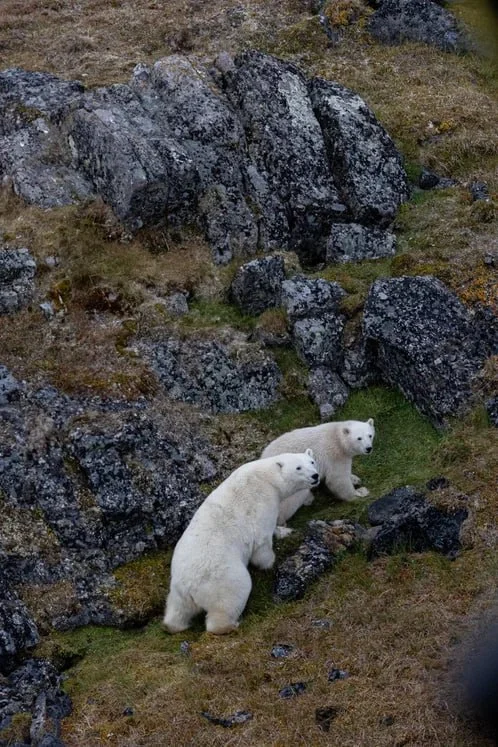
186	296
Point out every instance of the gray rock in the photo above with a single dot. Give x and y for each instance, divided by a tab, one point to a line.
294	189
324	542
351	242
17	272
479	191
213	376
396	21
17	630
9	386
492	410
327	390
176	304
304	297
359	365
257	285
427	342
318	341
365	163
408	521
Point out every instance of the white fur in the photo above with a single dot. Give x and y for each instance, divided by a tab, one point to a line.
334	446
234	526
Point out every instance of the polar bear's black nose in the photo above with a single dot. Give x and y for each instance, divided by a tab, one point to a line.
315	477
369	449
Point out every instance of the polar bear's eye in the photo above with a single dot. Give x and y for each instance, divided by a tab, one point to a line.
359	438
298	468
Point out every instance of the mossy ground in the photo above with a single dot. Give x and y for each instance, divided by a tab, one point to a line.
395	621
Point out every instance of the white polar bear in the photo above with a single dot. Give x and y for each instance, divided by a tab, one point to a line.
232	527
334	446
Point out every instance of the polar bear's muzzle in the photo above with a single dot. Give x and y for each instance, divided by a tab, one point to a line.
315	480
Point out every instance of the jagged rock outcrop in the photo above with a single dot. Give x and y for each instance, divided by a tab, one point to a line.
351	242
256	155
426	342
327	390
396	21
257	286
17	272
10	388
221	377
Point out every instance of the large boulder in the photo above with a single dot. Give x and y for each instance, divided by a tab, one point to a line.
426	342
17	272
304	297
257	285
426	21
17	629
352	242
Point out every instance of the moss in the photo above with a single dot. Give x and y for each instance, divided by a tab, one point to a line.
357	277
17	730
141	586
206	314
305	37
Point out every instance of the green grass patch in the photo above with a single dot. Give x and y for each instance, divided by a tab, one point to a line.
206	314
357	277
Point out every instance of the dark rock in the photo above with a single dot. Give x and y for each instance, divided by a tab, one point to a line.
327	390
17	630
9	386
35	688
351	242
213	376
428	179
304	297
408	521
176	304
325	716
337	674
185	648
492	410
292	690
396	21
322	545
281	650
479	191
17	270
427	342
292	184
387	720
128	711
318	341
239	717
364	160
257	285
359	365
324	624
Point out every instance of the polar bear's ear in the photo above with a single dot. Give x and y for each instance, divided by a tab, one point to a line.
280	464
370	421
346	431
309	453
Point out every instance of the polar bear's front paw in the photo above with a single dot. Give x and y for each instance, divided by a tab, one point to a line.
361	493
356	480
281	532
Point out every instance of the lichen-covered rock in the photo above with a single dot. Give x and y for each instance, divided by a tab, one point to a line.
323	544
427	342
304	297
17	630
407	521
359	366
257	285
426	21
35	688
327	390
492	410
318	341
215	376
351	242
17	272
10	388
363	157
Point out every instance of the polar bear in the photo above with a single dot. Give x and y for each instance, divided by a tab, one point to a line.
234	526
334	446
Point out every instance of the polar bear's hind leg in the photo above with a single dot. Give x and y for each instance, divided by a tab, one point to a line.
223	614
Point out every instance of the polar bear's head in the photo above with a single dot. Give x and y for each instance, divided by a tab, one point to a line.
297	471
357	437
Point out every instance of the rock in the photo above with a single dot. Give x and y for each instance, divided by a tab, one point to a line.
9	386
396	21
359	365
214	376
17	630
292	690
239	717
351	242
327	390
322	545
428	179
32	150
492	410
304	297
17	272
337	674
35	688
409	521
437	483
281	651
322	623
286	145
363	157
176	304
427	342
325	716
318	342
479	191
257	285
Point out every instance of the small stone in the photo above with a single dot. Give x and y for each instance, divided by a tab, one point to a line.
324	716
337	674
128	711
292	690
437	483
281	650
239	717
185	648
428	179
479	191
322	623
48	310
386	721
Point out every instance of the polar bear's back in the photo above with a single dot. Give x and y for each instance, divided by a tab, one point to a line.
319	438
